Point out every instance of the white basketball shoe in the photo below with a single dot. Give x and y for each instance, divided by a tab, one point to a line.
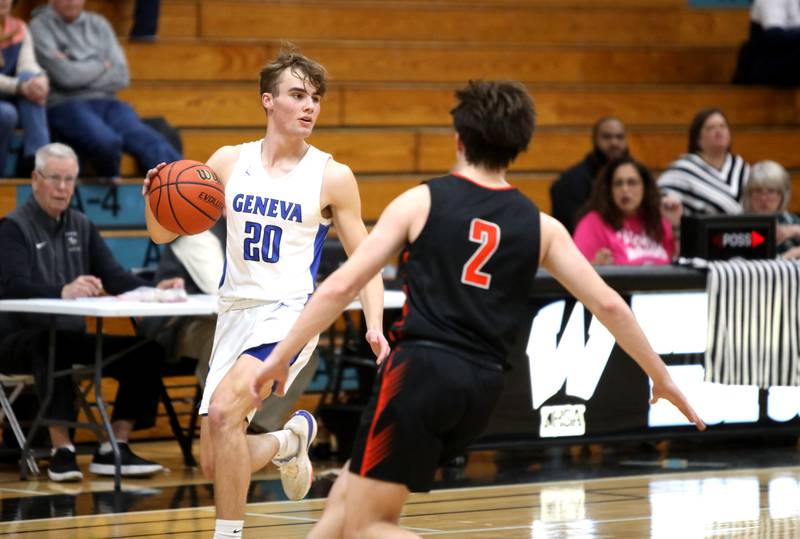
297	473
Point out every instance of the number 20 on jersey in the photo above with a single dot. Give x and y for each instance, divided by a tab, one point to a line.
263	243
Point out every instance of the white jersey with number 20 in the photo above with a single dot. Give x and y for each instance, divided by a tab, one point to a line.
275	228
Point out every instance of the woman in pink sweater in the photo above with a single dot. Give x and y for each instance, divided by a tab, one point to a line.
622	222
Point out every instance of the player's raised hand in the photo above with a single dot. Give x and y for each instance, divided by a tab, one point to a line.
149	177
379	345
270	372
667	389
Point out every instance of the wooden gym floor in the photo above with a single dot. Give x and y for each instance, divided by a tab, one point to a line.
737	489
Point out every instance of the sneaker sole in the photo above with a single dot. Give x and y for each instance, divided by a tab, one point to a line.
288	483
65	477
108	469
303	460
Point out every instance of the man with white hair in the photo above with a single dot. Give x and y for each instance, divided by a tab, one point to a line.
53	251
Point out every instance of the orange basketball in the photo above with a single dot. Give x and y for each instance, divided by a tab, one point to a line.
186	197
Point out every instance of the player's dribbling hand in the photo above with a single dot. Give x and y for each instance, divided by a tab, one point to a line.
379	345
669	390
149	177
271	372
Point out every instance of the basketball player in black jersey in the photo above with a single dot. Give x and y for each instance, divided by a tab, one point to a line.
472	244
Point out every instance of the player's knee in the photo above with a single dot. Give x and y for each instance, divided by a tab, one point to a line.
221	417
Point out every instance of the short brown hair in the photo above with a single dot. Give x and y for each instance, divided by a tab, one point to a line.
495	121
304	67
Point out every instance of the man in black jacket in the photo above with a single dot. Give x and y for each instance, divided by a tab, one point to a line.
571	190
53	251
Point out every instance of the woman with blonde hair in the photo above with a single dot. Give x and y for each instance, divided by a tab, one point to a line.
768	193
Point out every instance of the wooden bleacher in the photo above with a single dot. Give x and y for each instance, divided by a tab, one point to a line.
394	66
239	60
472	22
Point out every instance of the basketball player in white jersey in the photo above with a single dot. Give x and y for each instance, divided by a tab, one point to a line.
281	195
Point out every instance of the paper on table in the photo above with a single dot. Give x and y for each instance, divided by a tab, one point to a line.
151	294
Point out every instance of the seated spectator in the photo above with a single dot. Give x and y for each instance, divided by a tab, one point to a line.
768	193
772	53
571	190
53	251
23	91
622	223
709	180
87	66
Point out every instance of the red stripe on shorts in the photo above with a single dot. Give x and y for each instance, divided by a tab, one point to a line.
379	444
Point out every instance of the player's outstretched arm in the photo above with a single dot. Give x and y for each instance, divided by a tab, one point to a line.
341	192
562	259
398	224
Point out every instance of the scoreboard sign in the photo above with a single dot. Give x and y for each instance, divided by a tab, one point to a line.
721	237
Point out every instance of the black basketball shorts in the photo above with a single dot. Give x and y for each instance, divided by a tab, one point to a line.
427	406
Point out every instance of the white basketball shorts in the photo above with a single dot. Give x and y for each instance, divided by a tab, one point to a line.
239	329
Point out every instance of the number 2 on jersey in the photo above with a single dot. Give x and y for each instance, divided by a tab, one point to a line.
270	250
488	235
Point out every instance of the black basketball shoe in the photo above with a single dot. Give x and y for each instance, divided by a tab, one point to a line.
103	463
63	466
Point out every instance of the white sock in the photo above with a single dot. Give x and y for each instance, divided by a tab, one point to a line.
288	443
68	446
228	528
105	447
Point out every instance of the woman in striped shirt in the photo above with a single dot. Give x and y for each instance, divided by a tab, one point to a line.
709	180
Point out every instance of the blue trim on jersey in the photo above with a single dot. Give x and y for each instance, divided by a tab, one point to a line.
224	270
319	241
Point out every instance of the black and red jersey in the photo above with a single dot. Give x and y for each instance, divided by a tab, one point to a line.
469	274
